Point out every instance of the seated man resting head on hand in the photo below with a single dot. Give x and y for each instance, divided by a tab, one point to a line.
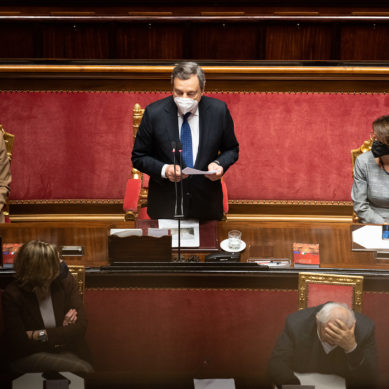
327	339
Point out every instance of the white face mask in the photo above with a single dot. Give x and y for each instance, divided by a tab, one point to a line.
185	105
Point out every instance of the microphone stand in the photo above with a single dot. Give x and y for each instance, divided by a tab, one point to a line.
177	215
181	215
175	175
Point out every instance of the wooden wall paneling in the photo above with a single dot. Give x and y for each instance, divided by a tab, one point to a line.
19	41
223	37
75	40
149	40
369	41
299	41
227	41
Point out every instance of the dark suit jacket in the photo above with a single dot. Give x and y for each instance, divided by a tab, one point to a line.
21	313
153	148
299	349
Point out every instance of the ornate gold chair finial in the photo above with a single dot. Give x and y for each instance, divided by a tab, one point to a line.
78	272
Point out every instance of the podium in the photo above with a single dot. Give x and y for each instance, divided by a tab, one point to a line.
209	241
139	249
208	233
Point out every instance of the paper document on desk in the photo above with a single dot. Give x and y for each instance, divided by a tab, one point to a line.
214	383
370	237
191	171
124	232
190	232
322	381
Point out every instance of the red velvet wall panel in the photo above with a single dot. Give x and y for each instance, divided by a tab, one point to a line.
375	306
69	145
194	331
294	146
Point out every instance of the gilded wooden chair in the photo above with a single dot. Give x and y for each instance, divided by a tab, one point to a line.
78	272
135	198
9	144
318	288
366	146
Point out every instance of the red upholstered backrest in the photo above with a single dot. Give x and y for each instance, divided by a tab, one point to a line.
294	146
131	197
145	180
321	293
225	197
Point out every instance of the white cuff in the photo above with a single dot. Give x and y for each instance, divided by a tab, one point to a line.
163	171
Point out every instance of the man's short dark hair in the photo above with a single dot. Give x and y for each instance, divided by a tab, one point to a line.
184	70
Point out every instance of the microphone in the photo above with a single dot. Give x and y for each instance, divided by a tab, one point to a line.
173	143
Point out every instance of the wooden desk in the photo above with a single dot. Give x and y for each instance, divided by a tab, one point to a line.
263	239
275	239
91	235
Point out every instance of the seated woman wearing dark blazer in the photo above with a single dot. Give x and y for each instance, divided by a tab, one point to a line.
370	192
44	318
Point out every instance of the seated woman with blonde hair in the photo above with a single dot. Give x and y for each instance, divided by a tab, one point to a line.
370	192
44	317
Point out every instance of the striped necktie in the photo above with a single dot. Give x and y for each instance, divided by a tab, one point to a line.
186	140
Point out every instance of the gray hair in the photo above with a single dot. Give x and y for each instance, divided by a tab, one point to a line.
326	314
184	70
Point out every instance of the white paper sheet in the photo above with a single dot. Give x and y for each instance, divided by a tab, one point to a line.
35	381
124	232
370	237
214	383
190	231
322	381
191	171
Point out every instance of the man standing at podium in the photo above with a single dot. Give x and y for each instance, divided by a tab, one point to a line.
204	127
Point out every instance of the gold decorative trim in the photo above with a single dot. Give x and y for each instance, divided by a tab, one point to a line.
289	218
68	201
195	289
78	272
208	91
352	70
292	202
238	202
66	217
331	279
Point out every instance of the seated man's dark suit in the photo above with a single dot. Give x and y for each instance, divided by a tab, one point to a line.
203	198
299	349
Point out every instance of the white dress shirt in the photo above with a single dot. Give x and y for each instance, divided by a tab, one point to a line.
193	122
